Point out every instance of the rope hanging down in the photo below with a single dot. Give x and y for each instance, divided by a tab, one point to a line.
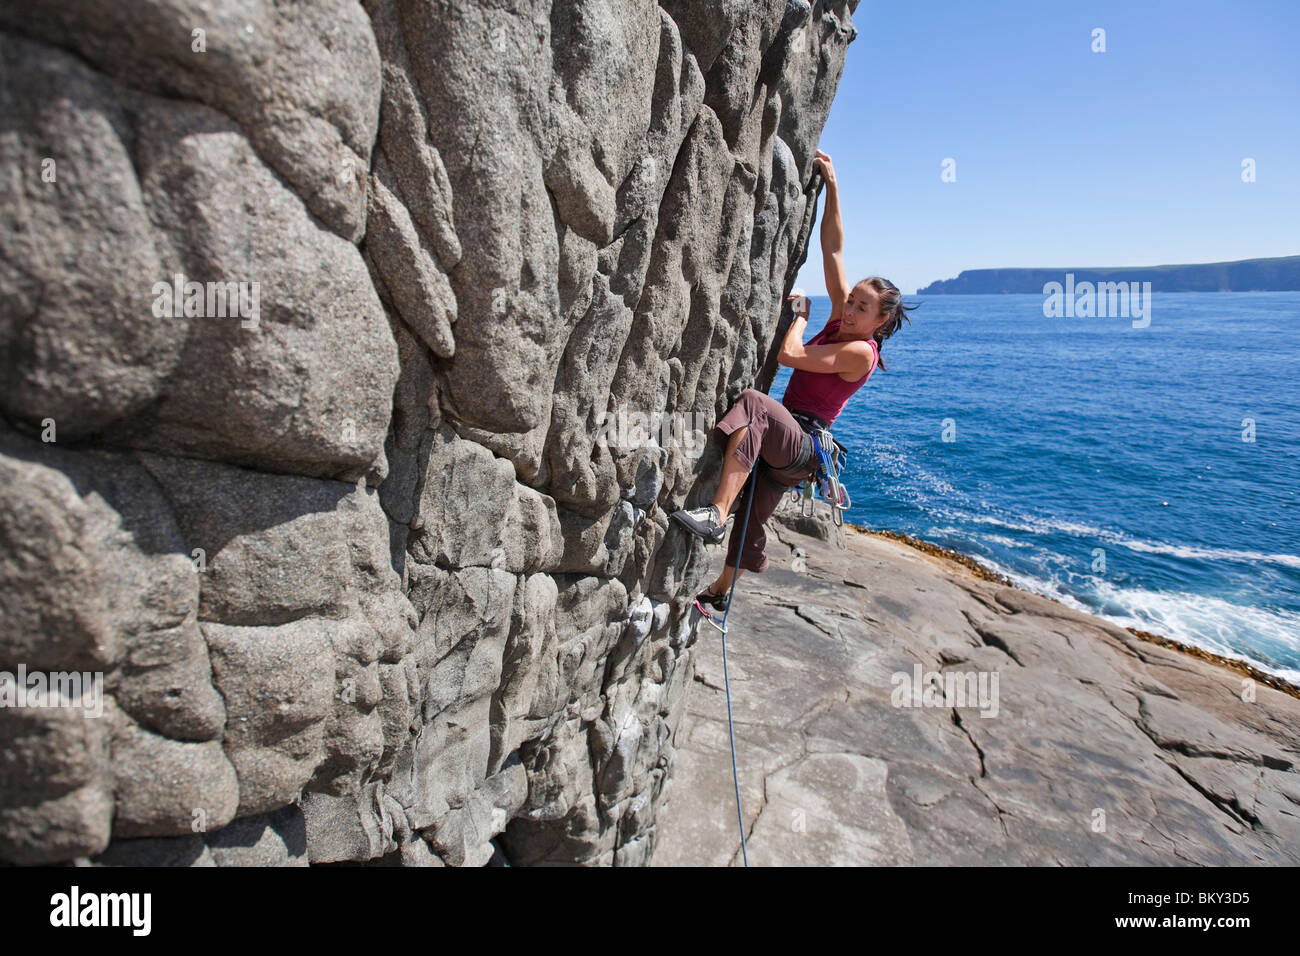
726	679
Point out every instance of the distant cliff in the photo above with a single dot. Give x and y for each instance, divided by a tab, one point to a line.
1247	275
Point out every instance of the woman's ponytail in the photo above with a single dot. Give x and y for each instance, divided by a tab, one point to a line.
891	303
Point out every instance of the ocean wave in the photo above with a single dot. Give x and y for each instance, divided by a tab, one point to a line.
1214	624
1041	525
1032	524
968	534
1005	541
1221	627
1208	554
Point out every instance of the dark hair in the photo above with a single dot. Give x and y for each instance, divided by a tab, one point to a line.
891	304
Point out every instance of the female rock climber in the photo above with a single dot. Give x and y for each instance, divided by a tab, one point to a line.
828	370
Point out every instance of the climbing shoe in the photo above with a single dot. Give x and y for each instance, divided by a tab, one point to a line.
708	599
705	522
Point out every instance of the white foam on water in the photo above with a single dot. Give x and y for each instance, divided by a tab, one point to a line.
1039	525
912	475
1007	542
1211	624
1205	554
1214	624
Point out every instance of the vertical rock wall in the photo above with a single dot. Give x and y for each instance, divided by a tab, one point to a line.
362	581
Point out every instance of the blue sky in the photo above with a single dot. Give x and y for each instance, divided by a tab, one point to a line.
1064	157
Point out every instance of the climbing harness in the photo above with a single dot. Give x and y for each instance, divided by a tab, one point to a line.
726	679
828	460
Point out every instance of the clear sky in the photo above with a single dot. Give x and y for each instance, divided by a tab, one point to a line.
1064	157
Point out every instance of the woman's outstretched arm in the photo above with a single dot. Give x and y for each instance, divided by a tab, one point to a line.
832	233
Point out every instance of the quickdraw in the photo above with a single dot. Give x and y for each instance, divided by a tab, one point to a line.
719	623
828	460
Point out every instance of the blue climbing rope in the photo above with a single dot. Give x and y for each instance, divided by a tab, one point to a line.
726	679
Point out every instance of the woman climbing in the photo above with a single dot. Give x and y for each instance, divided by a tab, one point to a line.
828	370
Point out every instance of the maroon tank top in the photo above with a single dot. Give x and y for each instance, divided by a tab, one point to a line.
823	394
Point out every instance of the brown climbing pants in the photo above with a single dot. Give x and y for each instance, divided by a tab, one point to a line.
776	437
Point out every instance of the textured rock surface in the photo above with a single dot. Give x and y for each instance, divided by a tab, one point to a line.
1102	750
362	581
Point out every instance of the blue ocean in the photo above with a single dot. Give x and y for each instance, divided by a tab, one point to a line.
1147	475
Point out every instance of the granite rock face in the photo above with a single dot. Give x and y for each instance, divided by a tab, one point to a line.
311	316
